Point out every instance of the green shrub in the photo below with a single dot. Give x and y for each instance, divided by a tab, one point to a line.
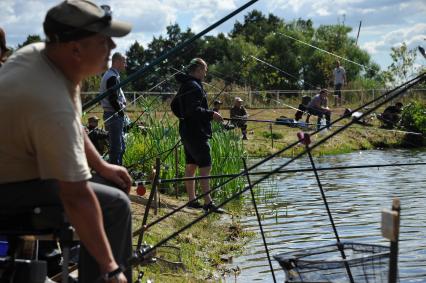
414	118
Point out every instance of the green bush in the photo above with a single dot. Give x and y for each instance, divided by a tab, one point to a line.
414	118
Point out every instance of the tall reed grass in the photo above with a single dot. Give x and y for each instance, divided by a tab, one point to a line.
160	136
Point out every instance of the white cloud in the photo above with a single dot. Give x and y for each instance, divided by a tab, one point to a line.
384	22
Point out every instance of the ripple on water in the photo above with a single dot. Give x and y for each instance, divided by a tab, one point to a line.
296	218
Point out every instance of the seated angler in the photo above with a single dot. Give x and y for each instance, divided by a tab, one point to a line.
46	157
318	106
302	109
97	136
392	115
238	115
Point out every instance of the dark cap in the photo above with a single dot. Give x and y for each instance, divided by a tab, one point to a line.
76	19
217	101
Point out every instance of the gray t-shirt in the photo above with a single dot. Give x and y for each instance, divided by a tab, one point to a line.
40	120
339	74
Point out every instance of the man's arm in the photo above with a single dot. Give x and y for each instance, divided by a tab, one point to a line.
113	173
84	213
113	98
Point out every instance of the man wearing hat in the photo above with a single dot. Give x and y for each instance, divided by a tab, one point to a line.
238	114
46	157
318	106
216	105
96	135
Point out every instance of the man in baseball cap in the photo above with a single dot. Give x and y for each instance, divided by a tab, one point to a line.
52	163
76	19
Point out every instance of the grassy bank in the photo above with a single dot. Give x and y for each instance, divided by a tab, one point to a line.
204	250
357	137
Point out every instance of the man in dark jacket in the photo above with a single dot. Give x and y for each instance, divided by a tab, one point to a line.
195	128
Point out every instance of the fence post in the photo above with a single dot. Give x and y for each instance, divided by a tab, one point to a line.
176	169
272	136
156	197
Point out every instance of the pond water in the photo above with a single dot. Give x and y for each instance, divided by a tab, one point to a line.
294	216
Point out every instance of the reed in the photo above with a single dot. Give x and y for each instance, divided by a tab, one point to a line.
161	134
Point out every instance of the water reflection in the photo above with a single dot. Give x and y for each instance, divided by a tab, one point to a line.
295	217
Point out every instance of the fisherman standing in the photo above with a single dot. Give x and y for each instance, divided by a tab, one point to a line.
114	106
190	105
339	75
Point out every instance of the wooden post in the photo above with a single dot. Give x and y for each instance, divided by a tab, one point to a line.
272	136
390	230
156	197
176	169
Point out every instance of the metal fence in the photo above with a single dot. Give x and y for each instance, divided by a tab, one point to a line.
267	98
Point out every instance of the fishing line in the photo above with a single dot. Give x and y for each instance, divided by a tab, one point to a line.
306	140
165	56
282	71
398	90
392	95
335	168
328	52
253	198
388	98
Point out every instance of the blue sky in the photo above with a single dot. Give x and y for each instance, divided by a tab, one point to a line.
385	23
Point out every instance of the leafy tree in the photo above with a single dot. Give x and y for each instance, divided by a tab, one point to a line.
402	66
135	59
256	26
30	39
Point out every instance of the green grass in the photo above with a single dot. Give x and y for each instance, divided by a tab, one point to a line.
201	247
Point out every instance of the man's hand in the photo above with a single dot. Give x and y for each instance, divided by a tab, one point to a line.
119	279
116	174
217	117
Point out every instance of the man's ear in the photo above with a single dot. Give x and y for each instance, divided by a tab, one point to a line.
75	50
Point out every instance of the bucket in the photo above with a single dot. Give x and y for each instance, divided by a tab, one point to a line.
4	246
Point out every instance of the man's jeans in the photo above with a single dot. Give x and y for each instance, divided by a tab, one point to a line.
115	126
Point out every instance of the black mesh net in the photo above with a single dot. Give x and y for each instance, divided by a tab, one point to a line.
367	263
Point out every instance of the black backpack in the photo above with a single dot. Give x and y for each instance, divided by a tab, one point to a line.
177	106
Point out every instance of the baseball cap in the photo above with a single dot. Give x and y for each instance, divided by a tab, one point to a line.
217	101
237	98
76	19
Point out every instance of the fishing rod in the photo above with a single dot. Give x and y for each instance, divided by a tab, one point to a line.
323	50
133	101
398	90
300	170
306	140
253	198
283	122
168	151
281	71
392	95
164	56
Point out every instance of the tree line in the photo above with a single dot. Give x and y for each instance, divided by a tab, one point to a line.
232	57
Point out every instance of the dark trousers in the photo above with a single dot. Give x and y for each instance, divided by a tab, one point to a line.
116	213
320	114
115	126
